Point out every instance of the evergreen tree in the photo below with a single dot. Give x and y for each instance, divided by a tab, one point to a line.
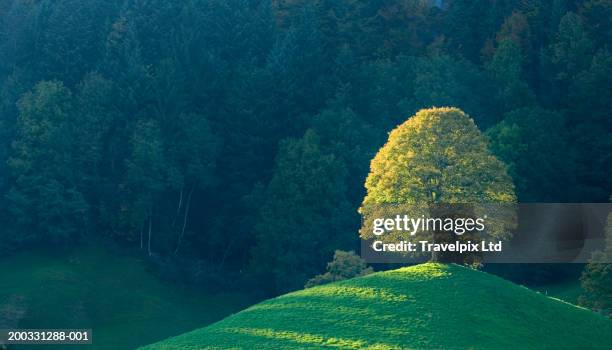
381	89
44	199
505	69
571	51
588	99
443	80
597	14
73	32
96	114
541	164
350	139
298	226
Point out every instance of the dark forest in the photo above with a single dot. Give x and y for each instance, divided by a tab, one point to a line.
208	136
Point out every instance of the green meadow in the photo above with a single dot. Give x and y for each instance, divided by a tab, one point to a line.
115	295
428	306
167	165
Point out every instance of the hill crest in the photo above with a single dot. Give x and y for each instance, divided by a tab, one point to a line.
422	306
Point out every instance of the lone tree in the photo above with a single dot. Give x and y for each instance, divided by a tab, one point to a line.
438	157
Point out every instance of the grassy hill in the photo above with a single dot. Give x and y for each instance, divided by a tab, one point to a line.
426	306
113	294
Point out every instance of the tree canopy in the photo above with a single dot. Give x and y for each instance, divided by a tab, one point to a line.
177	120
438	157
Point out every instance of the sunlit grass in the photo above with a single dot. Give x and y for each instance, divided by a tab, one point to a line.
425	306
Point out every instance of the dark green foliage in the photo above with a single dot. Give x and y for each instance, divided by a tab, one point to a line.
541	164
572	48
506	71
443	80
44	199
596	278
349	138
596	281
117	117
345	265
146	175
303	214
590	95
597	14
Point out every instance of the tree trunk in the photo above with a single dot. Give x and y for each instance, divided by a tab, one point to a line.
142	235
435	256
226	252
150	229
178	209
435	210
185	216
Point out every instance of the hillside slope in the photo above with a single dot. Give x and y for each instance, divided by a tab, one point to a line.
98	288
424	306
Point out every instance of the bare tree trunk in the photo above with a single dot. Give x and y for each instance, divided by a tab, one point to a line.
180	204
178	209
435	256
433	209
142	235
185	216
150	229
226	252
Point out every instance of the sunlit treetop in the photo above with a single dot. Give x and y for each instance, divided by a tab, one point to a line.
437	156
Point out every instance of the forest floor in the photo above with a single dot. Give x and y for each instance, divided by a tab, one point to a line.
114	295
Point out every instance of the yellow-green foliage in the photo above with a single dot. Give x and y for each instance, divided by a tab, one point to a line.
428	306
437	156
